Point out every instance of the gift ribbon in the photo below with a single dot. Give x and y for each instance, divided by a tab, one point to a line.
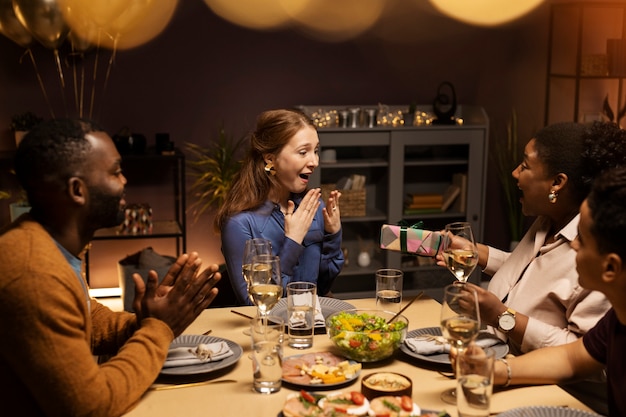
403	232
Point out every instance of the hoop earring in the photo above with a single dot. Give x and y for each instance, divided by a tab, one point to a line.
269	168
552	197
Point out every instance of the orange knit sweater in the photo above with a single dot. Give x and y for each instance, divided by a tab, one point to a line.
48	337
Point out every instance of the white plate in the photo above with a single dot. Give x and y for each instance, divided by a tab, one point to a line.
193	340
327	304
546	411
501	348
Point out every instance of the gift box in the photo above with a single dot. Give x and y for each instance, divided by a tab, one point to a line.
137	219
411	240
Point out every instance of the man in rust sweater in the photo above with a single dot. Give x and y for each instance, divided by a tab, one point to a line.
50	329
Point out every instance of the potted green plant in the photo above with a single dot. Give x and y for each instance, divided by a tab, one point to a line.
506	155
21	123
213	168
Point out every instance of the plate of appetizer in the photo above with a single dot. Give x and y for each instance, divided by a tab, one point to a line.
320	370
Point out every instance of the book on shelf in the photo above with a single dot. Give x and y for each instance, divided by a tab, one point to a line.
413	199
433	203
460	180
452	193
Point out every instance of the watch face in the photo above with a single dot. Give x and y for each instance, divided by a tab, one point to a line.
506	322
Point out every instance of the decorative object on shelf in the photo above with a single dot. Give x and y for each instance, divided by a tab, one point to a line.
410	239
164	146
607	111
409	116
353	195
128	143
137	219
21	123
364	259
616	57
444	105
506	155
213	169
594	64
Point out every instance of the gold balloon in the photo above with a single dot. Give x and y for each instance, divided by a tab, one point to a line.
43	18
11	27
97	12
254	14
333	20
485	12
118	24
141	22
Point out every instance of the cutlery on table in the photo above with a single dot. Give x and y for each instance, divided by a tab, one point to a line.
417	297
192	384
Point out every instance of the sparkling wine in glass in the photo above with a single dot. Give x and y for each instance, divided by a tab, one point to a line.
253	247
265	286
459	250
460	322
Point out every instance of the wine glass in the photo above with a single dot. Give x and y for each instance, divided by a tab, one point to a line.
460	252
460	322
265	286
253	247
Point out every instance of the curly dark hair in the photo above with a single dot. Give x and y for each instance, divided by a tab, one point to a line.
607	204
581	151
50	154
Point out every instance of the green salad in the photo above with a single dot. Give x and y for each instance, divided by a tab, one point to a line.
365	337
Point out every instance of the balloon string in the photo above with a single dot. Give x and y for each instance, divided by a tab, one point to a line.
95	72
61	78
108	73
43	88
75	79
82	85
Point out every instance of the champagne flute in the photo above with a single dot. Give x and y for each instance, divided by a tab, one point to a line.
253	247
460	252
265	286
460	322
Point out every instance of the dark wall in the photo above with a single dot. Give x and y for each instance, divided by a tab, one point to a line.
202	72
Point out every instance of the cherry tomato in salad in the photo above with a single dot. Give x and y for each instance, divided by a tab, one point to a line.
406	403
357	398
307	396
355	343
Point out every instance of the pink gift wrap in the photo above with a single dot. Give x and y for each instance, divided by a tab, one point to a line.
410	240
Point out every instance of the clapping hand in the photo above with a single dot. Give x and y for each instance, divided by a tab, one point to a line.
332	215
180	297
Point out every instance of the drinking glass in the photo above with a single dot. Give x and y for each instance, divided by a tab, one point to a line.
459	250
265	286
460	322
253	247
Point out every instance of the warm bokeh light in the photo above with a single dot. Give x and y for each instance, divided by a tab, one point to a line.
118	24
485	12
253	14
332	20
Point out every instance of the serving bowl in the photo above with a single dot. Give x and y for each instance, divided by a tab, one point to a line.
364	335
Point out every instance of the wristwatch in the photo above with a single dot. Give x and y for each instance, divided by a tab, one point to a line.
506	320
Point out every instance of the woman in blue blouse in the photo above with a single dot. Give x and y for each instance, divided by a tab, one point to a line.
270	199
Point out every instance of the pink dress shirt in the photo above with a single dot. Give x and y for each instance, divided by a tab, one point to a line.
559	309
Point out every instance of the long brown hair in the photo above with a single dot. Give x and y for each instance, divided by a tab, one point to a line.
252	184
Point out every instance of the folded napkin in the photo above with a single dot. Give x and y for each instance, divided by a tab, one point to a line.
431	344
297	317
203	353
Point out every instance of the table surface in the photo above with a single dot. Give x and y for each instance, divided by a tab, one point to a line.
237	398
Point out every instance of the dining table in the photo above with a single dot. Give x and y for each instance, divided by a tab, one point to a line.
228	392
